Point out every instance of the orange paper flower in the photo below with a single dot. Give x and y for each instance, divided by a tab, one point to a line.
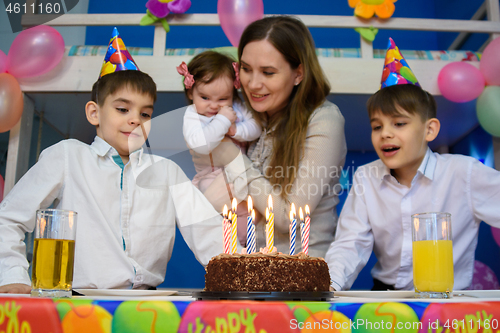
367	8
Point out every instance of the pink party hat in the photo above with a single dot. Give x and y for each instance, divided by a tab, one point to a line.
117	57
396	70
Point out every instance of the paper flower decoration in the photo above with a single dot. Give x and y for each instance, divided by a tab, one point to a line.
157	10
367	33
367	8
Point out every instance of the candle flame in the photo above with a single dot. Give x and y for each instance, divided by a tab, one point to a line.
253	214
292	212
307	210
224	211
301	214
234	205
229	216
267	214
270	203
250	204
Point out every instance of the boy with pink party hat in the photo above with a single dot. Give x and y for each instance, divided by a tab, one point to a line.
407	179
128	203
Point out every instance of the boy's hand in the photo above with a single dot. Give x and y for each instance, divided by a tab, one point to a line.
229	113
15	288
232	130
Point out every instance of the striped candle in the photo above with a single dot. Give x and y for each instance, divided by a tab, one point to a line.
251	244
270	226
293	229
267	227
226	231
302	227
234	226
307	227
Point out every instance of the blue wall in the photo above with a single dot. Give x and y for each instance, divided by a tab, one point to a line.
479	145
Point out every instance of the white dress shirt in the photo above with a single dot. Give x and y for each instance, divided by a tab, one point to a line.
126	217
203	134
377	215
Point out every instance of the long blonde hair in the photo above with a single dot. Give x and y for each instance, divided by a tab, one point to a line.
293	40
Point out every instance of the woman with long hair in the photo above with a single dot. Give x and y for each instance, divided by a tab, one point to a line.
300	154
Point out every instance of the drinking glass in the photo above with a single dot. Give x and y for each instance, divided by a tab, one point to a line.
53	253
432	255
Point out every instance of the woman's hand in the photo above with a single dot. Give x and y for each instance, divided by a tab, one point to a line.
222	155
218	193
15	288
225	152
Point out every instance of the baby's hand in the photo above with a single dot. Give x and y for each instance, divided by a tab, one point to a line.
232	130
229	113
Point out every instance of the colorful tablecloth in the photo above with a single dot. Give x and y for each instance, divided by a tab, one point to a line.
24	314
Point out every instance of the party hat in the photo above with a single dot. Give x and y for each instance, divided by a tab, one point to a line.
396	70
117	57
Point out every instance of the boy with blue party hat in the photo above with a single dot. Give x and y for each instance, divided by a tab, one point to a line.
128	203
408	178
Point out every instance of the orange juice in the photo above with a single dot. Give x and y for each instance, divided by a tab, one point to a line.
433	266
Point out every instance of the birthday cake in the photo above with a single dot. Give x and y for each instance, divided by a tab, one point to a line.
267	272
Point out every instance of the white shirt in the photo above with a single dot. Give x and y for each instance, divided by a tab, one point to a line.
203	134
125	227
377	215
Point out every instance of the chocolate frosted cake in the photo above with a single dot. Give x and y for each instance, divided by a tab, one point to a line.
267	272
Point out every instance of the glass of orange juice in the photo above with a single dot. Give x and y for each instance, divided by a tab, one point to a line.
432	255
53	253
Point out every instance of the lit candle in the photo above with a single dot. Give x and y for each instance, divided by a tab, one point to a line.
270	225
253	243
302	227
267	227
225	230
293	228
307	227
251	246
234	226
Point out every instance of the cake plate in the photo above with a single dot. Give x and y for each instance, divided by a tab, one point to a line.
264	295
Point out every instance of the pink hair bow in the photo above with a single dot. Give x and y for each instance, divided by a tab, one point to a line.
188	78
237	83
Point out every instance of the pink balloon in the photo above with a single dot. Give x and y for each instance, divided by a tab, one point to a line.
484	278
35	51
236	15
11	102
460	82
490	63
496	235
3	62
